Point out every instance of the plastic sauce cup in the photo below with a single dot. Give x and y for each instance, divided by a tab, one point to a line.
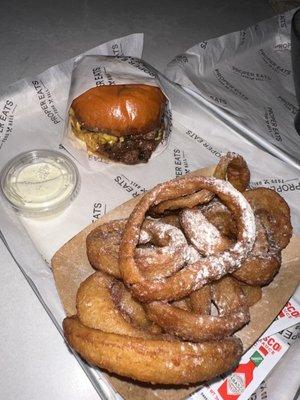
40	183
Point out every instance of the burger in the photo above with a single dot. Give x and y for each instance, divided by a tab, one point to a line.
123	123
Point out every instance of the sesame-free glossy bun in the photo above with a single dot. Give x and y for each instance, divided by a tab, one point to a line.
120	110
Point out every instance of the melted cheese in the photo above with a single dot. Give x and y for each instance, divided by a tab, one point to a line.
93	140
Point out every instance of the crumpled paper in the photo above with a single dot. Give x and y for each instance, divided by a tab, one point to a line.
246	78
32	115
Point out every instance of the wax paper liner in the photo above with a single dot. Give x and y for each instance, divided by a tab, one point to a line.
246	78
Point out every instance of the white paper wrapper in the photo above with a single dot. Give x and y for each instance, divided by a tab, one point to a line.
90	71
246	77
34	111
287	370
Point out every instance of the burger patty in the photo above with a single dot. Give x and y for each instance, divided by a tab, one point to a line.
134	148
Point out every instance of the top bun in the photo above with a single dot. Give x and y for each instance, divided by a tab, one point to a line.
120	109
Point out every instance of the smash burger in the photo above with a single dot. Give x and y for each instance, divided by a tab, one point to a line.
123	123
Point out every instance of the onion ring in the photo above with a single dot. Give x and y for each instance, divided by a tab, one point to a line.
219	215
102	245
190	325
274	214
166	256
102	333
99	306
260	267
197	274
252	293
203	235
153	361
231	166
200	300
226	293
272	218
168	253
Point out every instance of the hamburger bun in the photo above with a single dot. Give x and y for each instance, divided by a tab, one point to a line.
121	122
120	110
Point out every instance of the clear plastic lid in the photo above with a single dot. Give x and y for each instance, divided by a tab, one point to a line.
40	183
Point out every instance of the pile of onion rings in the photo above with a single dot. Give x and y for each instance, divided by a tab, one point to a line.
175	280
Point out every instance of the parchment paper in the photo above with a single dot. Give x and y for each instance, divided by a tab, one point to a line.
246	76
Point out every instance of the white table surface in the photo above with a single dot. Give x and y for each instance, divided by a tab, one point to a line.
34	35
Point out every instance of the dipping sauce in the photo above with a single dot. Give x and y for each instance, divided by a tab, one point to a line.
40	182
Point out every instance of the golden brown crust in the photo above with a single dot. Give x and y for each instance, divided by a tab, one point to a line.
203	235
252	293
274	214
200	300
191	325
120	110
102	245
200	272
104	303
153	361
231	167
273	233
163	257
112	331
